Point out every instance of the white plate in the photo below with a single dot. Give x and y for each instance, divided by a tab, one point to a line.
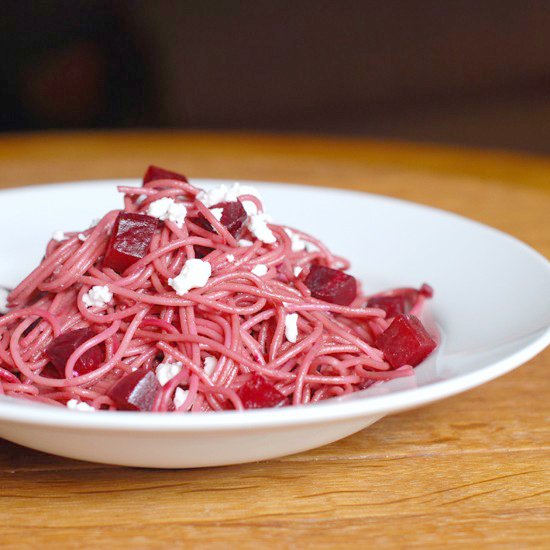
492	304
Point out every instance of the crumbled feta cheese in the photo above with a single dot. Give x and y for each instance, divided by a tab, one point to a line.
222	193
168	209
195	274
94	222
159	209
230	258
298	270
59	236
209	365
4	293
258	227
210	197
77	405
291	327
249	207
97	296
297	243
166	371
217	213
244	242
180	395
260	270
82	237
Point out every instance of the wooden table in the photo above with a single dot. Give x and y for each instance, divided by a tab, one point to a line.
469	471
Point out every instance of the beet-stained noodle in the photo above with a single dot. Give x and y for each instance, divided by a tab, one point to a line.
190	300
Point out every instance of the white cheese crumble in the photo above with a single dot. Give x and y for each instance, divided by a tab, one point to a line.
230	258
180	395
77	405
82	237
59	236
209	365
258	227
291	327
4	293
297	243
195	274
244	242
260	270
166	371
298	270
222	193
217	213
168	209
94	222
97	296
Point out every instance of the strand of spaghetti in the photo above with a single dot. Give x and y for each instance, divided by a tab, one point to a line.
191	299
304	367
333	308
85	378
92	342
26	287
278	334
182	186
32	312
173	352
332	325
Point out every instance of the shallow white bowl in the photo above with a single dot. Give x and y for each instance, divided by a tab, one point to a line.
492	306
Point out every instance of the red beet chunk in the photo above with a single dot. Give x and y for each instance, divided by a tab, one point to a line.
233	218
59	351
331	285
136	391
202	251
405	342
201	221
258	393
156	173
392	305
130	240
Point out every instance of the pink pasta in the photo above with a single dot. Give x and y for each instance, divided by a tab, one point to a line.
193	301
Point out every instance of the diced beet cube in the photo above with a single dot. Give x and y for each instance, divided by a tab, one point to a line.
331	285
130	240
135	391
156	173
62	347
201	221
233	218
405	342
258	393
202	251
49	371
392	305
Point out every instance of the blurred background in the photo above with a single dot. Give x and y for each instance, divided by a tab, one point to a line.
455	72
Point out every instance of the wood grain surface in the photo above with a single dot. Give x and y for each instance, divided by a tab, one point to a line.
472	471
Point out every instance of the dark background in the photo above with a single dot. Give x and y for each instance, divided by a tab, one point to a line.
454	72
